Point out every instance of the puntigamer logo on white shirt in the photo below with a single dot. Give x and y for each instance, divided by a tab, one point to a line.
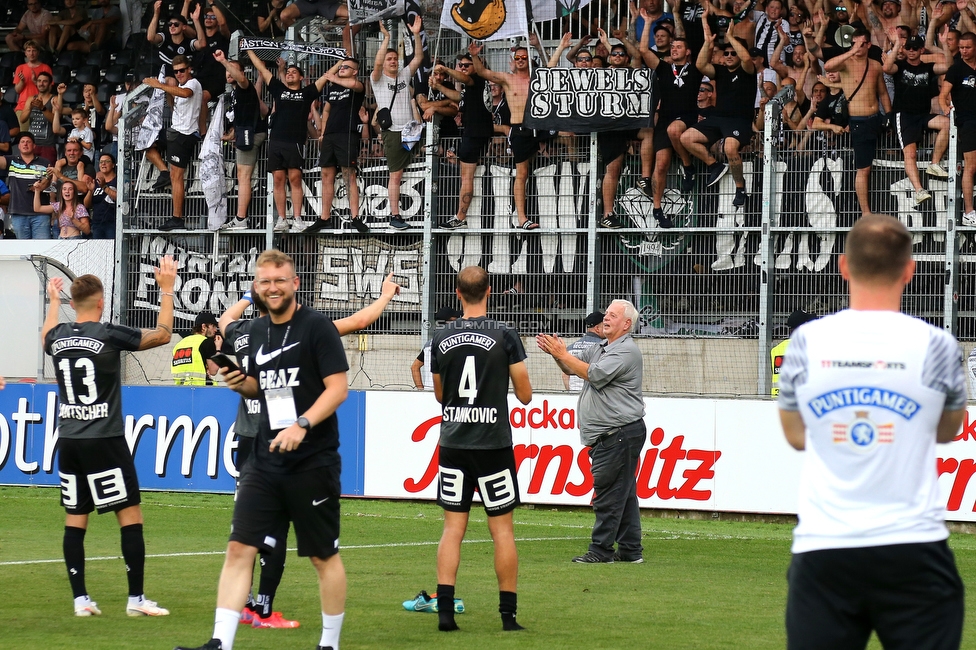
864	396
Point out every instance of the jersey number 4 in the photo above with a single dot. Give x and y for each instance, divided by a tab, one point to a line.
468	385
83	372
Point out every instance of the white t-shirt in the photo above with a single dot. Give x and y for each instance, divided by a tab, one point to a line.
383	91
85	135
871	387
186	110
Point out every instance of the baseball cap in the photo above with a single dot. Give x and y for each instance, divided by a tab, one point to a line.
799	317
204	318
755	51
446	313
595	318
915	43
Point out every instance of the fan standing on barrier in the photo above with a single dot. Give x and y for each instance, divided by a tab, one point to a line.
250	130
288	133
959	94
259	612
869	549
472	360
183	134
394	97
297	368
340	141
94	460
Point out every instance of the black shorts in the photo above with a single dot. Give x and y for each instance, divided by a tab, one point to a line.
340	149
283	156
470	150
909	128
266	502
214	85
613	144
325	8
97	474
662	140
523	143
716	128
967	136
864	139
492	471
180	148
910	594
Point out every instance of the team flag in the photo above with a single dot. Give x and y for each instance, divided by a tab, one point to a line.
486	20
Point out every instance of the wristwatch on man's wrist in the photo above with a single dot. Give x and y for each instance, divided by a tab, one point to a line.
304	423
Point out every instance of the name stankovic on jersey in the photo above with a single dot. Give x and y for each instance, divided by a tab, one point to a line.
864	396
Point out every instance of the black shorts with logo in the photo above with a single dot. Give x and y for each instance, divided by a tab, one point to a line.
492	471
716	128
97	474
267	501
180	148
910	128
284	156
910	594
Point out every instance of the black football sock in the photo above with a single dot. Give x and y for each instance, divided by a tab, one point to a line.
507	607
272	568
74	559
134	554
445	608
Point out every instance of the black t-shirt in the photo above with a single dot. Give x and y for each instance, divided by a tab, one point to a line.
834	109
735	93
264	10
86	362
678	87
298	355
249	411
963	80
290	123
206	68
168	49
103	207
475	107
448	127
915	86
344	104
472	357
247	108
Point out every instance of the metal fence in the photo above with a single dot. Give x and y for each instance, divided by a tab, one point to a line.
714	292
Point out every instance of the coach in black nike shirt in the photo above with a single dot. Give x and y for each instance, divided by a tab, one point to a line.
297	368
471	361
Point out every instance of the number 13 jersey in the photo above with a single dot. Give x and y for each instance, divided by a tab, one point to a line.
86	362
472	357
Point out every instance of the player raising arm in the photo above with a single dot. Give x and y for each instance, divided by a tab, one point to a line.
94	460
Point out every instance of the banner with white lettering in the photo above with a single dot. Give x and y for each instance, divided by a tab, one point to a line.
349	273
486	20
584	100
249	43
373	11
181	438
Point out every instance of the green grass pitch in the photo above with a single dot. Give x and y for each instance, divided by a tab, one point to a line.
705	584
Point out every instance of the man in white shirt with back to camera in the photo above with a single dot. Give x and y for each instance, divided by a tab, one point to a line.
868	392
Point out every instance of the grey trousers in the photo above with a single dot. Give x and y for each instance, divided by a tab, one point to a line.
613	463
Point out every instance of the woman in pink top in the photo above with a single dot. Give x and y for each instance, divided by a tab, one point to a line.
69	213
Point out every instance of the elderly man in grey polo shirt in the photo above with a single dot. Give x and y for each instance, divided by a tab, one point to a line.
611	424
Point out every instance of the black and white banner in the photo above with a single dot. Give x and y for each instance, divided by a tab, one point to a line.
373	11
247	43
584	100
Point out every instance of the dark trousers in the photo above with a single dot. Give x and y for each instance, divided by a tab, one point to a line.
613	462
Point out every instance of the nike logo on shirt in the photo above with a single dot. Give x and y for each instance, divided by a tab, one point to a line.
263	358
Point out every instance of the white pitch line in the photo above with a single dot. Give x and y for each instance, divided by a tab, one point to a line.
343	548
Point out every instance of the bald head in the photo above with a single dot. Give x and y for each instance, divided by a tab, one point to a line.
472	284
878	249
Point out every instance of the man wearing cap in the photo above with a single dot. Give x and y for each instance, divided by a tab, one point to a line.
420	368
763	73
916	79
592	336
191	356
611	424
778	353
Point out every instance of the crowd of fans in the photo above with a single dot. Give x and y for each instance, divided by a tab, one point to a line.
838	71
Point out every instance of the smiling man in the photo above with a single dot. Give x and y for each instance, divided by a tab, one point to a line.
297	370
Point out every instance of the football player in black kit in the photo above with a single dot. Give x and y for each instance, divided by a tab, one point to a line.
297	369
259	612
472	359
94	460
